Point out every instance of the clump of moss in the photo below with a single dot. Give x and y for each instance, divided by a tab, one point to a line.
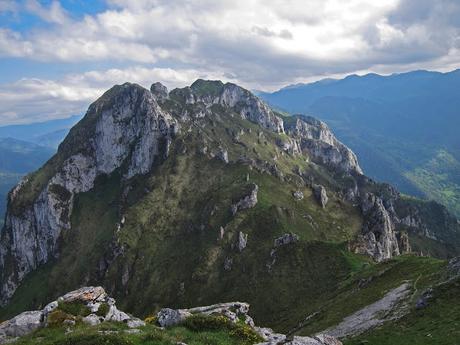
74	308
201	323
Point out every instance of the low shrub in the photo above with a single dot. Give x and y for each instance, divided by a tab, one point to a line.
74	308
200	323
57	317
103	309
243	332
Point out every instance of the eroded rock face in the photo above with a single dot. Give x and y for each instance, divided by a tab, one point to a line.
129	127
242	241
249	201
321	195
320	143
159	91
232	96
378	238
286	239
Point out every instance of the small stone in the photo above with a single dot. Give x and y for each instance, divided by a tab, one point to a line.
228	263
221	233
135	323
91	319
169	317
222	155
298	195
242	241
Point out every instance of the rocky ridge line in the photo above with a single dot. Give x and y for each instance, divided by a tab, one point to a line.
93	298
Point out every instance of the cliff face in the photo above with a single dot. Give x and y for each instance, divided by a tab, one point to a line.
316	138
198	169
129	129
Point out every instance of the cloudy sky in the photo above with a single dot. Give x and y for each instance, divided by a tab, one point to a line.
58	56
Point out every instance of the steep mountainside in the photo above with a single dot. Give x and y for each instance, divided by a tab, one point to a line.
205	194
403	127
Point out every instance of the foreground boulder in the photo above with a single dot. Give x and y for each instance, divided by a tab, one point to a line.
238	312
89	305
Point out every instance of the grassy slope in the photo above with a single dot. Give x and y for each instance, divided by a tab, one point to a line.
438	323
439	178
349	297
118	334
170	236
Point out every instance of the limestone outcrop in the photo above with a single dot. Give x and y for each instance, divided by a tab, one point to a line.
97	307
124	127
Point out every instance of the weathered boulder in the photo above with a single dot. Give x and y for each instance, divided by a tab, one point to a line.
171	317
85	295
286	239
234	311
222	155
321	195
242	241
92	319
21	324
298	195
249	201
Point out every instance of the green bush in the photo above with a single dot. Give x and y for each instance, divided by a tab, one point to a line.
74	308
103	309
57	317
201	323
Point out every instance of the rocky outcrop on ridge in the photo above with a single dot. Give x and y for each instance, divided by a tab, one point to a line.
318	140
98	305
378	238
238	312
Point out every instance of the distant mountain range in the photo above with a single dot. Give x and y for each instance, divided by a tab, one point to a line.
24	148
48	133
404	128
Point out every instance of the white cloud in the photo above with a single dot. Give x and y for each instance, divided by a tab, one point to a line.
29	100
54	13
260	44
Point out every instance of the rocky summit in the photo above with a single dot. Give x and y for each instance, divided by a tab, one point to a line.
205	194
